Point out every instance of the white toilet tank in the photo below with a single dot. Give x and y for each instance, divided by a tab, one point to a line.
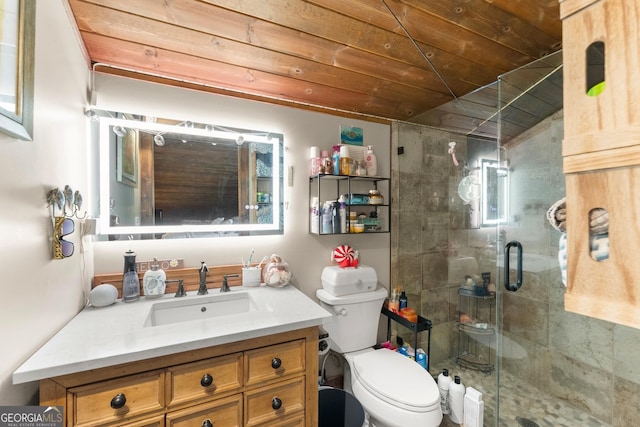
354	325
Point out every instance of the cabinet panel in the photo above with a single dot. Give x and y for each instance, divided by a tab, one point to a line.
156	421
604	289
274	403
189	383
274	362
117	400
226	412
601	124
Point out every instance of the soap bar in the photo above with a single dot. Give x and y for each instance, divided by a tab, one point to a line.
103	295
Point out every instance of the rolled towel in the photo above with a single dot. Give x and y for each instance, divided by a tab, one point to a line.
598	221
557	215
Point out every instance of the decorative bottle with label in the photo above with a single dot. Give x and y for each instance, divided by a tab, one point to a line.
371	162
345	160
154	281
130	282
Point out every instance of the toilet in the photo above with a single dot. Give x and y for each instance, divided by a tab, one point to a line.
393	389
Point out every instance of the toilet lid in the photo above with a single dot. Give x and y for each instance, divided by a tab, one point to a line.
396	379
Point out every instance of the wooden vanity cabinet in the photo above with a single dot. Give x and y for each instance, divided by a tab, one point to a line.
267	382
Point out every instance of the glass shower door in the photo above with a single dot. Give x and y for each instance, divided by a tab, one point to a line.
545	355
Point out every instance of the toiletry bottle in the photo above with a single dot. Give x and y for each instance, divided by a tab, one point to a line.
154	281
444	382
314	212
327	227
314	161
394	301
336	160
402	300
130	282
473	408
421	358
335	217
371	162
343	214
345	160
456	400
326	164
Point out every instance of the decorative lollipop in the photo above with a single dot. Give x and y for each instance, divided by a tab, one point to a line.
345	256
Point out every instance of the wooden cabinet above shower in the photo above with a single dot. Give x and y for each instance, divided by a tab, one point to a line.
601	84
601	157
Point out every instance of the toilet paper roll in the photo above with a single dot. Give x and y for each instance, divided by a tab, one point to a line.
323	347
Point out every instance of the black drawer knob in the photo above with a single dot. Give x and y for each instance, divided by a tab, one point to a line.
276	363
207	423
206	380
118	401
276	403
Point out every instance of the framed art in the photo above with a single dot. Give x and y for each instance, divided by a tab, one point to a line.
127	158
17	43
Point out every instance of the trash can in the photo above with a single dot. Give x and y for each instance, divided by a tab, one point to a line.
338	408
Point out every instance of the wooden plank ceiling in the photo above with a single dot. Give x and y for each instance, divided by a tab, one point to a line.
374	59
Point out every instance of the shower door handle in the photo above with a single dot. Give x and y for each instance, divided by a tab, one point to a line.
507	279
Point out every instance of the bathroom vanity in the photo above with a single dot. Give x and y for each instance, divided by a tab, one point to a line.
254	367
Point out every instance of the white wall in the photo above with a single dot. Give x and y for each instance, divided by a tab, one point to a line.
306	254
39	294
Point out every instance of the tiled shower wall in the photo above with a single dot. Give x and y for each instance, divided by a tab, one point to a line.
586	362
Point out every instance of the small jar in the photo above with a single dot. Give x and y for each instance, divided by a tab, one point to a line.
360	169
375	198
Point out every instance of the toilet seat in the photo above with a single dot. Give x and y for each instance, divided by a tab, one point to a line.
396	379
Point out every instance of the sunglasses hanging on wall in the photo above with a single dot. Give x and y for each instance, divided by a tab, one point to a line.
68	203
62	227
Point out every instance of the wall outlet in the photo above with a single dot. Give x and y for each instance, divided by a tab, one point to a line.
89	226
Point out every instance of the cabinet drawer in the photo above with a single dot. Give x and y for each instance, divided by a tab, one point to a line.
276	403
273	362
156	421
117	400
188	383
226	412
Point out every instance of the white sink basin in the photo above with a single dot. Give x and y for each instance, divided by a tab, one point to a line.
199	308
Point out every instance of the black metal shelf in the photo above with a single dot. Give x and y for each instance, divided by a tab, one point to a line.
423	324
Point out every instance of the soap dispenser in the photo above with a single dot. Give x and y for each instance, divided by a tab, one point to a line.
154	281
130	282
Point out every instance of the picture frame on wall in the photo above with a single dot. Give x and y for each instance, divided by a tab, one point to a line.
127	158
17	44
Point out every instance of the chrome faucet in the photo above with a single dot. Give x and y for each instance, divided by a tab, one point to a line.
225	284
180	292
202	290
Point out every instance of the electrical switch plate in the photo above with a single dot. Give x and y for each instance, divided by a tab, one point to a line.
290	176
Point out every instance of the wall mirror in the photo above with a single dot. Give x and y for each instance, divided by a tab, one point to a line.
163	178
495	192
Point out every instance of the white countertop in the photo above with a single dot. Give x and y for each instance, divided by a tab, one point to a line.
107	336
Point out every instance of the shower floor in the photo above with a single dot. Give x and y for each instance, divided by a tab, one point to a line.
516	398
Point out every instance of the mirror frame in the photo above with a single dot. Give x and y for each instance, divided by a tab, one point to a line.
219	132
500	191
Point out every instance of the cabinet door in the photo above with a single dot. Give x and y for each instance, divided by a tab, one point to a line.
204	380
272	405
117	400
274	362
226	412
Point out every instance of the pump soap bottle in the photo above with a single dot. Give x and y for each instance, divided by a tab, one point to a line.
130	282
154	281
